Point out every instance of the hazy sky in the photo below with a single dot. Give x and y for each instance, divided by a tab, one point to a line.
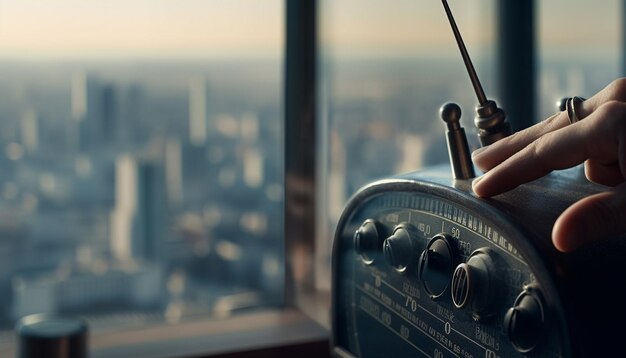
564	27
227	28
140	27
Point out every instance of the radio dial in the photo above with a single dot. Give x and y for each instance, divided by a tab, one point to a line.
368	240
437	263
400	248
524	321
471	283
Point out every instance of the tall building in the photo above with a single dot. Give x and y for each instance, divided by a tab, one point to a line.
95	114
132	117
174	171
110	128
138	217
29	130
82	128
198	111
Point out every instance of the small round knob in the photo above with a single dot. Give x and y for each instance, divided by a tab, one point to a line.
451	114
471	283
437	263
400	248
51	336
368	240
524	321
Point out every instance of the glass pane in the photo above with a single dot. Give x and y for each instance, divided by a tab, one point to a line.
141	172
579	43
385	71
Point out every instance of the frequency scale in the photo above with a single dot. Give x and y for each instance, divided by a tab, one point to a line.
424	268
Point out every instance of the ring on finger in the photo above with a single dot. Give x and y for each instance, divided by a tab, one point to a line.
571	106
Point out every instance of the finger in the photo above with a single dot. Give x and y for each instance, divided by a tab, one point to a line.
549	152
605	174
596	137
593	218
488	157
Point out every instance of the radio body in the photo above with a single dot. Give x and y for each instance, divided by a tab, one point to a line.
422	267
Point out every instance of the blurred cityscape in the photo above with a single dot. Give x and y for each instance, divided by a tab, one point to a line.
139	190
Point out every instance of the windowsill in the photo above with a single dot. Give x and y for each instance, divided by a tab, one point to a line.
246	333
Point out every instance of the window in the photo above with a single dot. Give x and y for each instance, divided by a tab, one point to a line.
141	164
580	49
384	73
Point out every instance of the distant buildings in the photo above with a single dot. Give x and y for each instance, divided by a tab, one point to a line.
108	289
122	187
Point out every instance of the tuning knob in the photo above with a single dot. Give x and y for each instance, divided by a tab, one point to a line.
472	283
524	322
368	240
437	264
400	249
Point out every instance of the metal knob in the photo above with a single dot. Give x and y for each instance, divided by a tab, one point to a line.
458	149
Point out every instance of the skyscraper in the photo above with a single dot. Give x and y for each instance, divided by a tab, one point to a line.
198	111
95	114
82	127
138	218
29	128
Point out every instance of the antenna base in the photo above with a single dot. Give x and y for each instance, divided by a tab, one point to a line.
491	123
487	138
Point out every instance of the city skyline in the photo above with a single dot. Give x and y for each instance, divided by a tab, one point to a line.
145	195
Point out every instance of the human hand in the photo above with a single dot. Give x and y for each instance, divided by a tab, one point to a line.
599	141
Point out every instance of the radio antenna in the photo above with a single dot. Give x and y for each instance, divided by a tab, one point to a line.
478	88
490	120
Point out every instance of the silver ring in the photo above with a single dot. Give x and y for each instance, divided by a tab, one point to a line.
571	105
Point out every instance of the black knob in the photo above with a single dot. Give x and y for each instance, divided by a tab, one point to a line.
400	249
437	263
51	336
524	322
472	283
368	240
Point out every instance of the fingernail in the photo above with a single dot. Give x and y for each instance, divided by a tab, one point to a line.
475	183
478	151
568	242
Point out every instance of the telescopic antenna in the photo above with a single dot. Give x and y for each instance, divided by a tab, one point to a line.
490	120
478	88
